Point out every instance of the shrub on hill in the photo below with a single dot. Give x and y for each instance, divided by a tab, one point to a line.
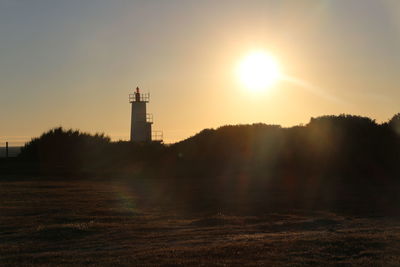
340	146
68	148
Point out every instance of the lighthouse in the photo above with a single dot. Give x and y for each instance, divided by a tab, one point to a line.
141	121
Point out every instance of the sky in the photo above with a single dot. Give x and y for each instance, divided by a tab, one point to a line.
73	63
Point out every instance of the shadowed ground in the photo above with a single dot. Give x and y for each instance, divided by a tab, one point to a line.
98	222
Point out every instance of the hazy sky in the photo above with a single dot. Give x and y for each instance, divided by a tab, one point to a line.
73	63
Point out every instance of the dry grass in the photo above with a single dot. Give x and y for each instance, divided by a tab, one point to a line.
50	222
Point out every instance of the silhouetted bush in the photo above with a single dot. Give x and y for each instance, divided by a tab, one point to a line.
333	161
65	148
341	145
334	145
72	151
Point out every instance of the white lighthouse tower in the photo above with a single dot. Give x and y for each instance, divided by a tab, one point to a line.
140	121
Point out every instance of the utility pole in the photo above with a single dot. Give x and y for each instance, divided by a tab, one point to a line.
6	149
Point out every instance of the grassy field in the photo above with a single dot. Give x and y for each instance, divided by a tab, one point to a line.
49	221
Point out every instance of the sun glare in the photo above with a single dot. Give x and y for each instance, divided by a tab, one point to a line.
258	71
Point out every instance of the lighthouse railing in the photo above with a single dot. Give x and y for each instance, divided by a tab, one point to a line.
149	117
143	97
157	136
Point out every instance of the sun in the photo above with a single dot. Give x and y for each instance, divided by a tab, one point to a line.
258	70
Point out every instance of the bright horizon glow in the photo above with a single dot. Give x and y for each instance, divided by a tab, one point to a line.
258	71
74	63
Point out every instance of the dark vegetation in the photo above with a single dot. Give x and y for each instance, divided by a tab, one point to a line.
328	145
338	162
